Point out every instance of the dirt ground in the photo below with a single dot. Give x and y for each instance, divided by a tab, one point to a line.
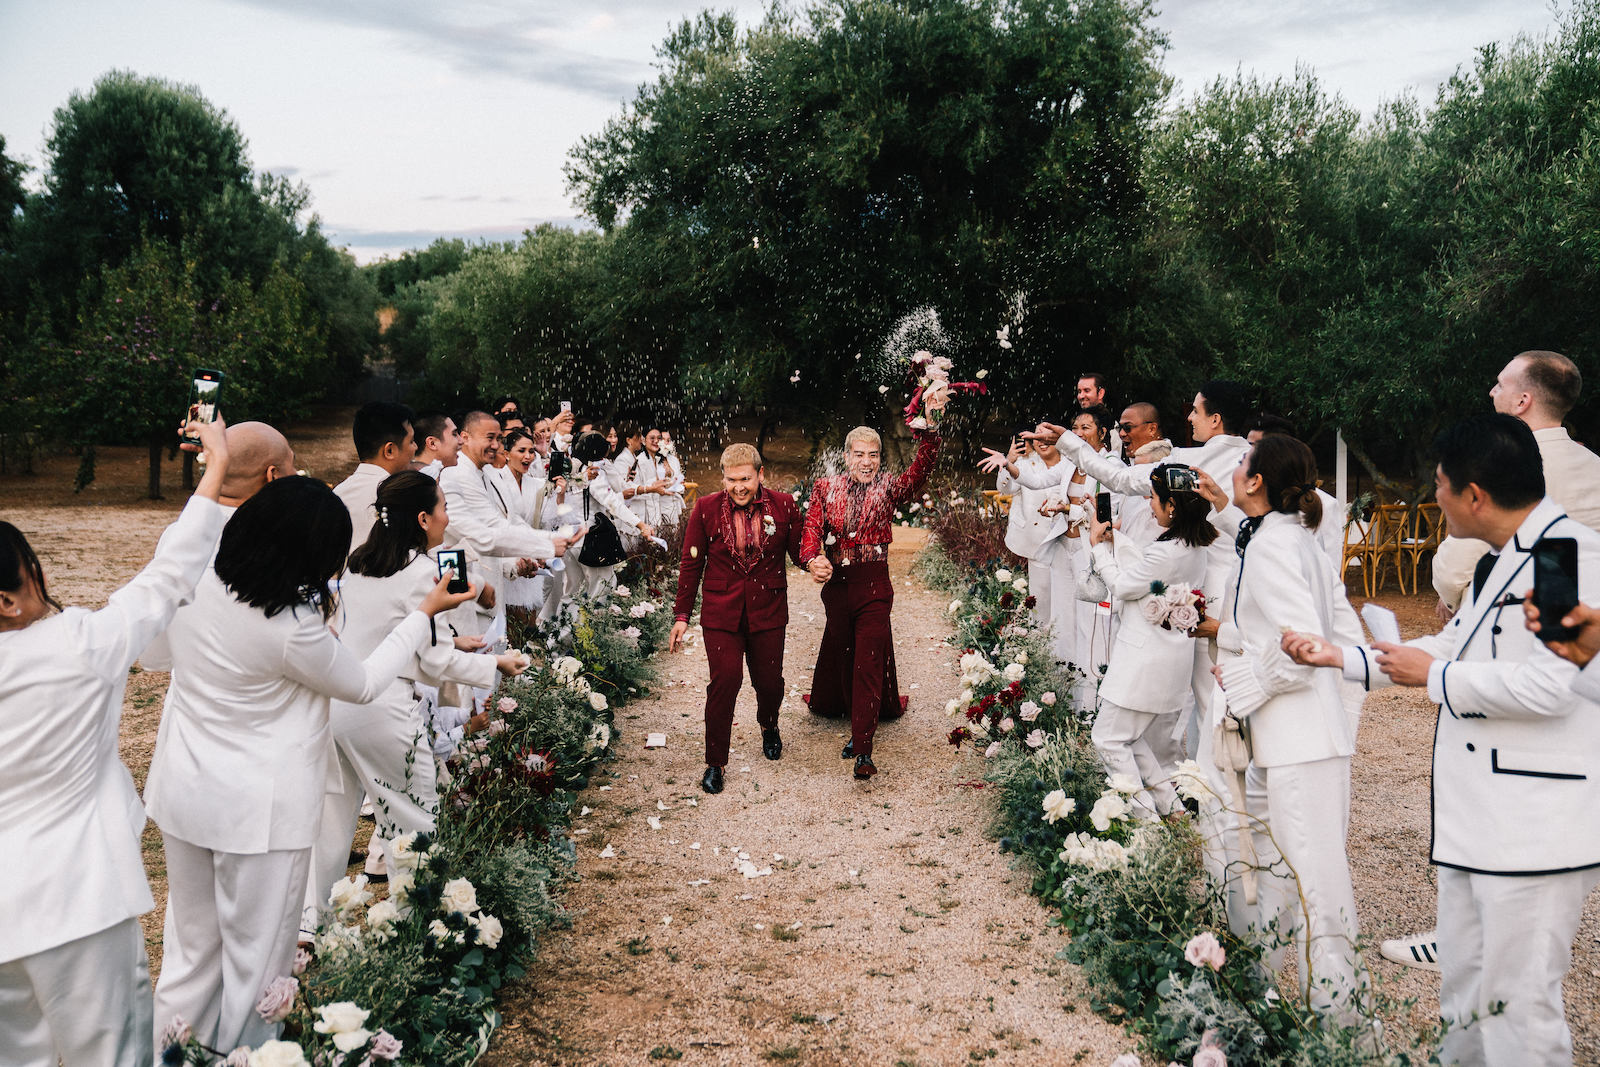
890	931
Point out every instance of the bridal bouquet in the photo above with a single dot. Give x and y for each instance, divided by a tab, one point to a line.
1174	609
931	375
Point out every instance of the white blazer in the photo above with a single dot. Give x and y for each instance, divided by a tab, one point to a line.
360	494
71	822
1516	755
1150	667
481	519
1028	533
242	756
1285	581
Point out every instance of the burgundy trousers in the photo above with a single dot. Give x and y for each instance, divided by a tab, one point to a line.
727	652
855	672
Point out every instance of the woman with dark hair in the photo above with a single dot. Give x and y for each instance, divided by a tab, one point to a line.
383	749
1302	735
242	756
74	979
1148	671
523	493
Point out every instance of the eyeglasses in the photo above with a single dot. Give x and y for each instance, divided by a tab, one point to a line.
1129	427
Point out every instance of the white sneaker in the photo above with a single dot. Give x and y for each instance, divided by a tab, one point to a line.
1419	950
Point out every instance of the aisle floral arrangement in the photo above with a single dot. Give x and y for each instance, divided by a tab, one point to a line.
409	974
1148	928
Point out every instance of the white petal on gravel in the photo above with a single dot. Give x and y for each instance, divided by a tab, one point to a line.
749	870
585	811
759	926
744	855
700	882
744	770
608	853
654	821
604	788
633	777
666	920
855	873
777	857
674	841
695	846
692	802
746	896
662	805
580	833
797	925
716	850
915	685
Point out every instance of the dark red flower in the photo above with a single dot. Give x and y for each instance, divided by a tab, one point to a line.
1030	603
960	734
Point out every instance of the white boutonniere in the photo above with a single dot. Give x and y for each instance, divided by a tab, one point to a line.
768	526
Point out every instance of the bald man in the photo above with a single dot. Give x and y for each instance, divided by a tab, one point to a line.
257	454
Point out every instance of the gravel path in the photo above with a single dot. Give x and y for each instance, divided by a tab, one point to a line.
889	931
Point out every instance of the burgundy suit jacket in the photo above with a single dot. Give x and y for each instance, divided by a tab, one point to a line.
755	600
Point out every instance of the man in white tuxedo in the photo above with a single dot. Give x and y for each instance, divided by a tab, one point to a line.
385	444
438	442
1516	775
1091	393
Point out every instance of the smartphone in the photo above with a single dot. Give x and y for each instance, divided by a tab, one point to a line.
1182	480
566	405
1102	507
203	399
1555	586
454	560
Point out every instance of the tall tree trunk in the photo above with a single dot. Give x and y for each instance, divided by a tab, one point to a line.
188	472
156	445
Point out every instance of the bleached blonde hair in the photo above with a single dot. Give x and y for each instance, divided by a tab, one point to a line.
863	433
741	455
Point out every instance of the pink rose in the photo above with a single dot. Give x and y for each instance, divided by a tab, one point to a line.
1184	618
1204	950
1209	1056
277	1000
385	1046
176	1032
1154	610
302	959
506	705
1007	724
992	751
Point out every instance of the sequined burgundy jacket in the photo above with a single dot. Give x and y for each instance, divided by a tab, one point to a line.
853	523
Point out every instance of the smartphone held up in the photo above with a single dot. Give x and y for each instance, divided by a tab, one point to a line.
453	563
1555	586
204	391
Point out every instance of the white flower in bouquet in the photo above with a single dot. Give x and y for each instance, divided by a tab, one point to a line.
1020	585
459	896
952	707
1110	807
1126	784
1057	805
993	750
965	697
277	1054
443	934
1184	618
1191	782
277	1000
1029	711
1153	609
621	590
1014	672
489	930
597	701
1048	700
637	611
381	919
1002	575
341	1017
1036	739
346	895
599	736
918	423
1007	724
335	941
506	705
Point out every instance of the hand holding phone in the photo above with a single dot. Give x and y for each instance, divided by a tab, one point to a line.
453	563
1102	507
1555	586
204	391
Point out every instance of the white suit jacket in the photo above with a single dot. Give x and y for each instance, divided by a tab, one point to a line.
1028	533
1149	666
71	816
1571	479
1516	755
241	761
1285	581
481	519
360	493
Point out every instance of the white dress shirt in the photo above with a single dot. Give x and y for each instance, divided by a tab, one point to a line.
72	817
241	760
360	495
1028	533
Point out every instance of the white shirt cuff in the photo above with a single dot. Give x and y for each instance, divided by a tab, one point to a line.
1436	680
1358	665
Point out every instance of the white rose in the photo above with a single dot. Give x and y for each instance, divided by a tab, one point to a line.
955	606
1125	784
993	750
1020	585
1022	657
1048	700
459	896
278	1054
1029	711
1007	724
965	697
621	590
442	933
1014	672
1002	575
349	1042
1035	740
952	707
346	896
401	852
340	1017
1108	808
489	930
401	881
597	701
1057	805
600	736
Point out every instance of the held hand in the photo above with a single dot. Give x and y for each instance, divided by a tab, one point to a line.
560	482
486	598
1099	532
675	642
511	663
821	570
440	598
562	423
590	473
1047	433
1208	488
1308	650
470	644
1587	644
527	568
564	543
1216	672
1403	664
934	402
478	723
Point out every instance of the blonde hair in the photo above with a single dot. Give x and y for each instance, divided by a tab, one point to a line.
741	455
863	433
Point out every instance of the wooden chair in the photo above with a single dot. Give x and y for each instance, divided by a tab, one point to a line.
1391	525
1000	501
1427	530
691	493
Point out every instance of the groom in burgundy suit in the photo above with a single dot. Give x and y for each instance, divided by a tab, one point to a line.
736	540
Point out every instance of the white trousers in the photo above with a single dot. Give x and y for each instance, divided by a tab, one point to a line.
1299	816
230	930
1068	617
1041	585
1141	745
1505	939
383	752
84	1002
1217	820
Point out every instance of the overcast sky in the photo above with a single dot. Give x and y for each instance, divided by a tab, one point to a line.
412	119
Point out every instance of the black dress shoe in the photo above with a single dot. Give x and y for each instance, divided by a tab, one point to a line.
712	782
849	750
771	744
865	768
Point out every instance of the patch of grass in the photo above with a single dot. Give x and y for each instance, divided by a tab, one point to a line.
639	946
665	1052
786	1054
802	1017
785	933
